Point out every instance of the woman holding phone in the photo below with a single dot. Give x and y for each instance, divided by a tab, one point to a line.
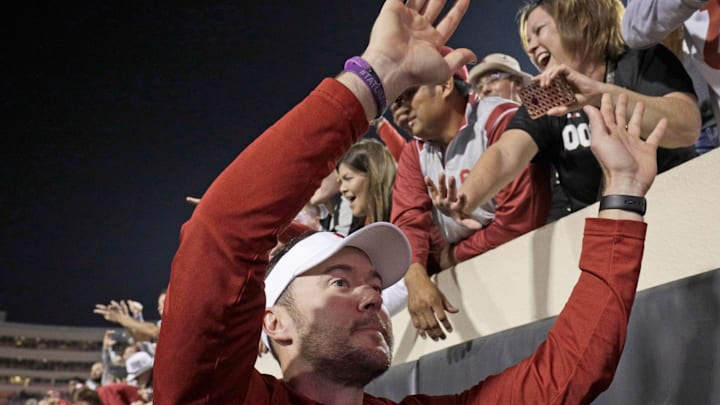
581	43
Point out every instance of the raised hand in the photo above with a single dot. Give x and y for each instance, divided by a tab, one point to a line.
445	197
404	46
586	89
135	307
108	339
401	114
427	304
629	164
109	312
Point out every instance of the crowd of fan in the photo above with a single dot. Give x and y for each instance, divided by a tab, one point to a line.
124	376
416	179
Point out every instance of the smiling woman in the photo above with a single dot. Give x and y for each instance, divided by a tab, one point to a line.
588	29
366	174
580	41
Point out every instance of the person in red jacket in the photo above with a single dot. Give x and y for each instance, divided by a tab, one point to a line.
320	307
452	130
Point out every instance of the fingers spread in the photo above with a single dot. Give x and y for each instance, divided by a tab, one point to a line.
657	133
434	330
459	58
431	187
443	185
635	125
415	4
432	9
607	109
593	114
445	322
452	189
450	22
621	111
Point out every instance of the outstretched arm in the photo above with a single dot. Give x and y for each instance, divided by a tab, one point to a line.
497	167
213	311
648	22
680	109
117	312
578	359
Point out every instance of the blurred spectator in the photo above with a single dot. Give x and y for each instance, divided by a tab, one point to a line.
53	397
366	174
86	396
120	394
96	373
336	215
113	362
394	142
119	312
139	370
310	217
499	75
649	22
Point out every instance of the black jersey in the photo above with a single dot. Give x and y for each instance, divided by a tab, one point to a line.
565	141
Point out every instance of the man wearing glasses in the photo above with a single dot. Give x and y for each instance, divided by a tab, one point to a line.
499	75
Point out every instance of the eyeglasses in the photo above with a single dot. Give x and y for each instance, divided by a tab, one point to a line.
492	78
406	96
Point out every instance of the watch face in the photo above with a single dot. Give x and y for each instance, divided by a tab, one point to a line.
538	100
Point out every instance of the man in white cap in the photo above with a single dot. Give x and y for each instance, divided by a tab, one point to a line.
499	75
321	307
139	368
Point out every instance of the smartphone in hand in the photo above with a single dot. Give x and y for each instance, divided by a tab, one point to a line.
538	100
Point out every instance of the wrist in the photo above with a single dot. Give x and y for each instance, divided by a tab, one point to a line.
361	92
387	70
365	71
416	272
624	186
597	92
449	259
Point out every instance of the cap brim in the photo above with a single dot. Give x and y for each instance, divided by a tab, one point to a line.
384	243
485	67
387	247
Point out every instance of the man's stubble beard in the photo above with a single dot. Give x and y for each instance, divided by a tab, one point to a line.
336	358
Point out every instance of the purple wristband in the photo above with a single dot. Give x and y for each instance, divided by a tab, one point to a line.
364	71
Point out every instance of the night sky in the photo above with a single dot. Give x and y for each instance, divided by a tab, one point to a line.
113	114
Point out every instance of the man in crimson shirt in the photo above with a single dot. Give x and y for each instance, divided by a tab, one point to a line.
320	307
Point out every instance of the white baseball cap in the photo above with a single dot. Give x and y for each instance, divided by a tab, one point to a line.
384	243
498	62
137	364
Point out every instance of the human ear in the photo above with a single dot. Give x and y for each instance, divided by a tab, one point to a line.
276	325
448	87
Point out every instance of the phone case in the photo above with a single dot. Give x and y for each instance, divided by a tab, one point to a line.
539	100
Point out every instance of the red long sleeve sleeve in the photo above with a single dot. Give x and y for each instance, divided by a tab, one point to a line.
212	320
578	359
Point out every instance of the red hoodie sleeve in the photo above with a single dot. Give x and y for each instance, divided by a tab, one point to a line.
521	206
411	204
213	311
579	358
392	138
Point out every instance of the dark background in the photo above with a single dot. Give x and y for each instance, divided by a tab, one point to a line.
114	113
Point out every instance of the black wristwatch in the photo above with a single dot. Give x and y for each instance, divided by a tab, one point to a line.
623	202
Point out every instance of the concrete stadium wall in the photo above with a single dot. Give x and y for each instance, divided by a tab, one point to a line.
530	278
